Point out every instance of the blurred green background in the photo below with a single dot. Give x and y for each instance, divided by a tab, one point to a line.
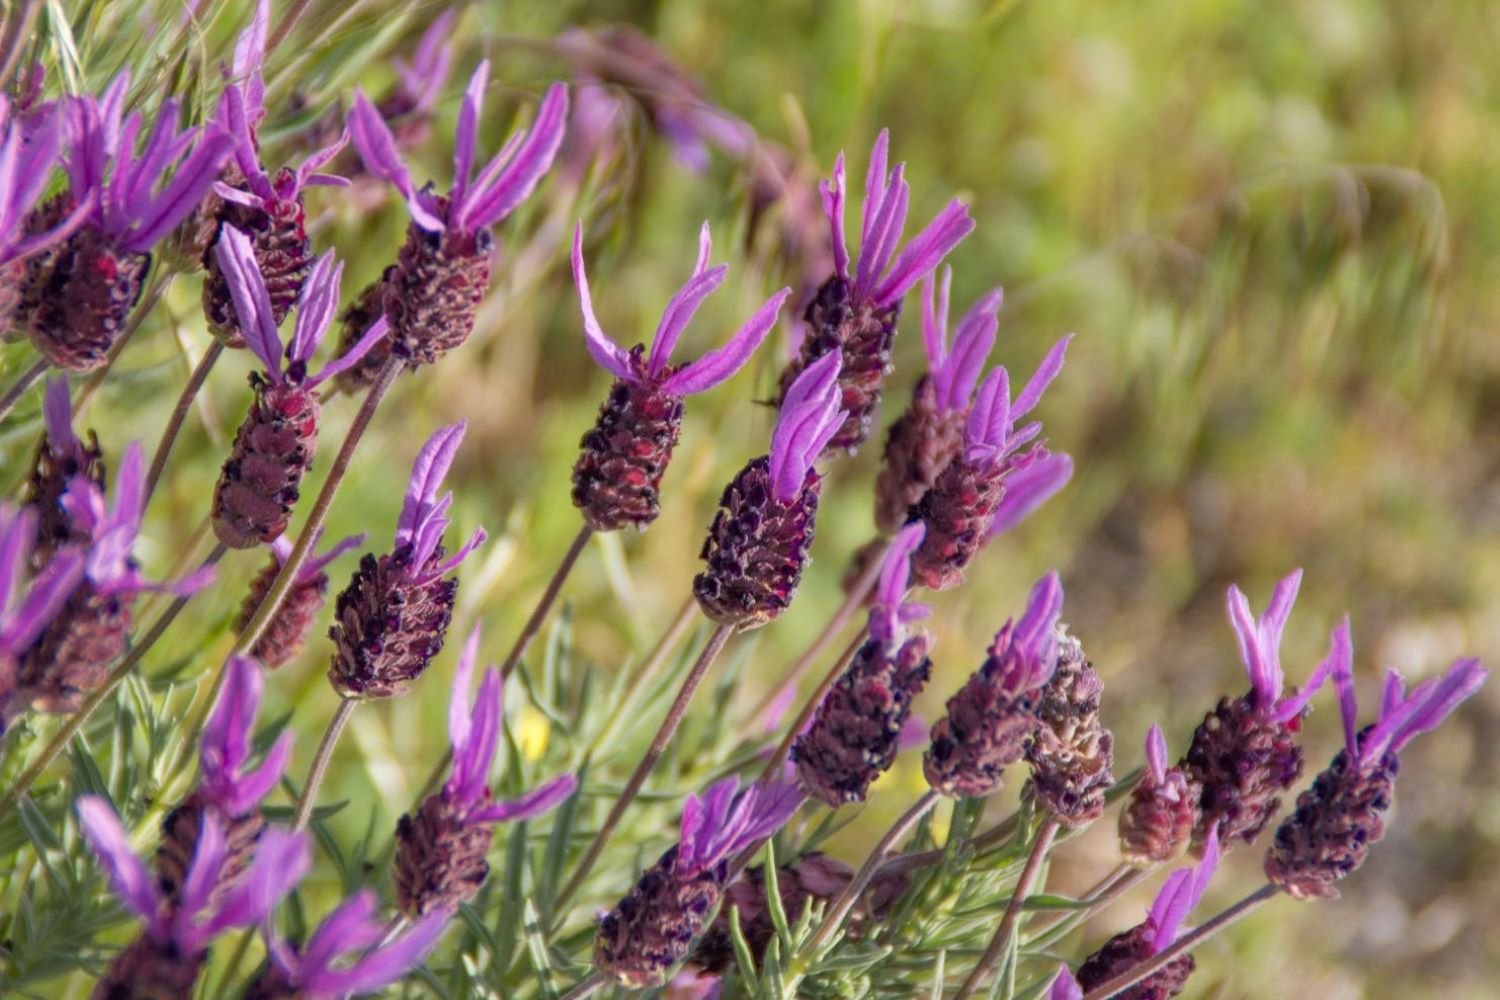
1274	227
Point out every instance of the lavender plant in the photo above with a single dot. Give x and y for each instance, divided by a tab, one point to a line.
595	825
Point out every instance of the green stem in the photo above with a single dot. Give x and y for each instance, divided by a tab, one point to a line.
586	988
1001	941
320	762
20	387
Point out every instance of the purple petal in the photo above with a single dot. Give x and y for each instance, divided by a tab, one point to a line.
1033	635
350	927
471	767
1064	987
427	474
875	188
1247	633
377	148
57	411
182	194
253	786
318	303
17	533
701	815
832	192
925	252
317	564
1340	658
203	872
226	735
374	335
1045	373
466	135
988	425
478	538
1029	488
884	233
282	858
252	301
602	349
956	376
721	363
127	876
935	318
529	164
535	802
679	313
1156	754
809	417
383	966
886	619
762	810
458	700
250	55
1170	908
1438	700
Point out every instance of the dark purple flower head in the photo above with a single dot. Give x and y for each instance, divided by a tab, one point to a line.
1260	648
1179	894
990	436
109	564
28	152
345	956
724	821
424	515
955	368
133	205
317	305
226	746
881	275
810	415
27	608
1064	987
698	376
892	613
1403	715
474	202
281	859
475	736
423	79
1024	654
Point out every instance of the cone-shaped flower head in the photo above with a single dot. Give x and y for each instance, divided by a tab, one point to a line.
1337	820
390	621
79	293
440	850
72	655
166	958
652	929
443	269
345	956
1071	753
757	545
27	608
617	480
261	480
927	436
971	492
855	313
1179	894
267	208
992	716
857	729
61	457
1157	823
286	633
1245	752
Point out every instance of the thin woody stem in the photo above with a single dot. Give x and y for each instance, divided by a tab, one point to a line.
20	387
773	766
1182	945
834	918
309	797
179	415
997	834
1110	888
645	673
288	23
586	988
1001	941
76	721
17	28
846	611
658	746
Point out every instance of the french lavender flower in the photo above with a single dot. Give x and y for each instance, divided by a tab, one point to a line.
29	148
757	545
440	851
286	633
1071	753
78	293
442	271
994	714
1245	752
1329	835
652	929
345	956
27	607
229	790
930	433
1179	894
274	448
617	479
72	654
390	621
1158	821
855	315
270	210
60	458
856	732
974	490
173	946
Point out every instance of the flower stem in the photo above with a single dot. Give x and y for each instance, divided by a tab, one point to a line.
331	736
658	746
586	988
1108	889
773	766
852	602
1001	941
645	674
75	721
179	414
1182	946
17	30
834	918
20	386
